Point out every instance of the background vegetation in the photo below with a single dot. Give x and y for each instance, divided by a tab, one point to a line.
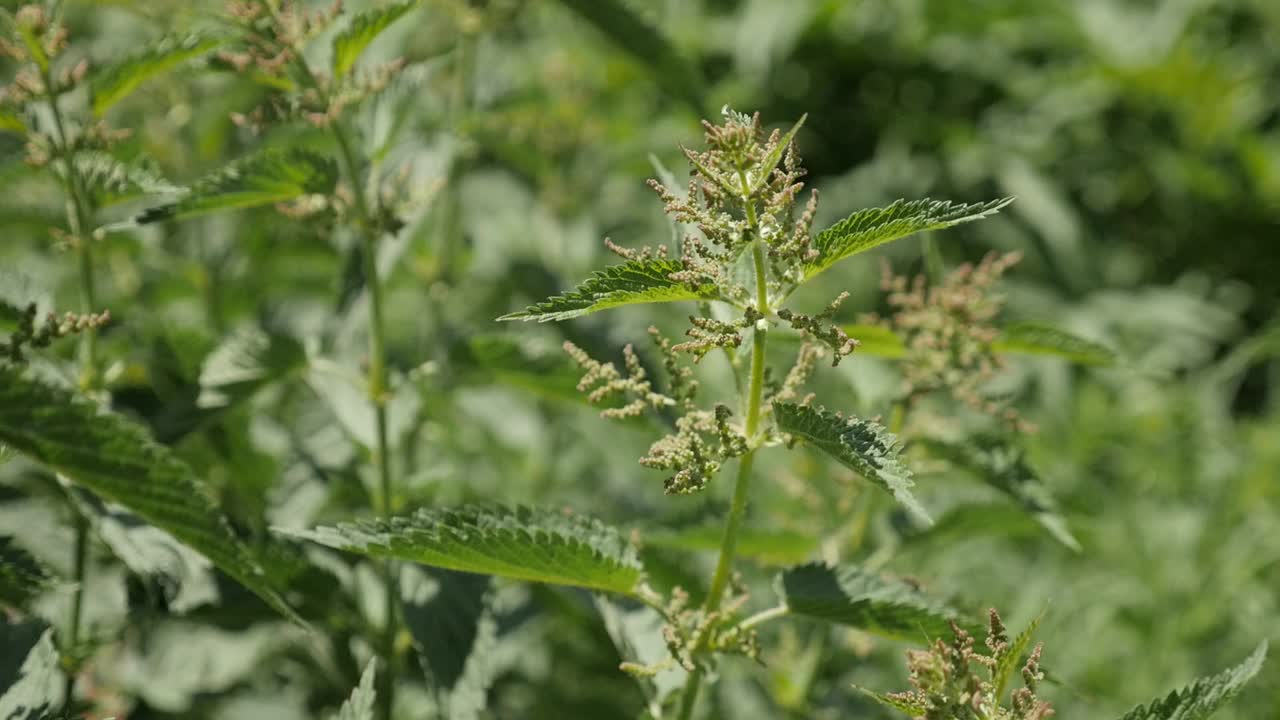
1142	140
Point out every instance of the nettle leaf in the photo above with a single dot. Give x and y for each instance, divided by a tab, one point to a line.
29	673
1203	697
269	177
360	705
363	30
521	543
632	282
244	363
902	703
116	459
873	227
550	374
110	181
450	617
876	340
1008	663
117	80
22	577
1003	465
853	596
768	547
1036	339
621	22
860	445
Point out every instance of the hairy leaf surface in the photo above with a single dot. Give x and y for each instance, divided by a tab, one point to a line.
363	30
116	459
860	445
853	596
521	543
1004	466
116	81
632	282
1036	339
271	176
867	229
1203	697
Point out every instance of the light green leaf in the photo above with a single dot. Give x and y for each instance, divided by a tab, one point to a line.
363	30
548	373
876	340
22	577
1003	466
520	543
853	596
29	674
10	122
1008	661
109	181
860	445
115	458
771	161
632	282
627	28
244	363
770	547
1203	697
1035	339
269	177
873	227
897	702
117	80
360	705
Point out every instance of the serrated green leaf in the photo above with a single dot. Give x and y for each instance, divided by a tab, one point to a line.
521	543
115	458
876	340
363	30
1009	661
900	703
853	596
646	44
29	674
450	618
109	181
867	229
632	282
1036	339
1003	466
269	177
360	705
22	577
1203	697
860	445
117	80
772	159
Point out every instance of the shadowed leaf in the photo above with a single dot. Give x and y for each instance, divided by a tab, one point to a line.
853	596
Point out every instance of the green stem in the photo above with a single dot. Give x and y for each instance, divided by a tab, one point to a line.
78	222
742	485
765	616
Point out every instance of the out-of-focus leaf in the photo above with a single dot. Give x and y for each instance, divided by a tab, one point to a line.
635	35
876	340
519	543
902	703
867	229
347	397
114	458
1036	339
244	363
360	705
363	30
1203	697
10	122
506	360
22	577
860	445
771	547
450	618
1002	465
271	176
29	674
853	596
637	633
115	81
109	181
632	282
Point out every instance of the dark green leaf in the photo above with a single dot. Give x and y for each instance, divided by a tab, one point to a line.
360	705
632	282
363	30
635	35
850	595
867	229
22	577
244	363
521	543
29	674
117	80
1002	465
1035	339
860	445
450	618
1203	697
269	177
116	459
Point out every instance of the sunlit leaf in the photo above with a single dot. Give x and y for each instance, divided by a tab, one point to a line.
363	30
360	705
519	543
450	617
867	229
115	81
853	596
29	674
860	445
1035	339
1203	697
632	282
109	181
876	340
